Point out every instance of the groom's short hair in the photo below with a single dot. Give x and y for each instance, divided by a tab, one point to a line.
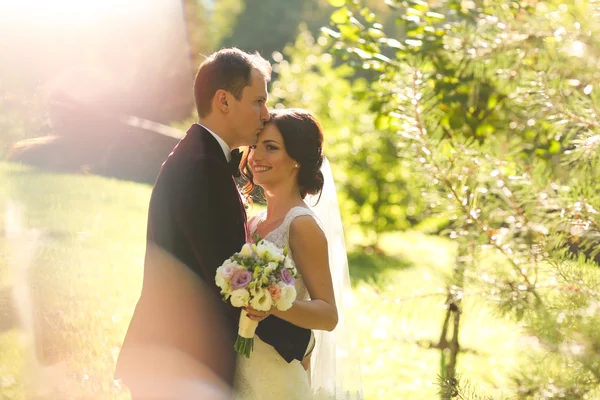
228	69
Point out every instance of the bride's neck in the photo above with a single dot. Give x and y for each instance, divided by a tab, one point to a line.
280	200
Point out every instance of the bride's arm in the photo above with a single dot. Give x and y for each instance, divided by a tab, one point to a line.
309	247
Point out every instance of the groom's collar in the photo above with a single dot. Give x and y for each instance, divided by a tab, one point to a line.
224	146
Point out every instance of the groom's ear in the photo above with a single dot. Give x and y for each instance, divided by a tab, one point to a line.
221	100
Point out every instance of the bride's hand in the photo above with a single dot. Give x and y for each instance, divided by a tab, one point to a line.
256	315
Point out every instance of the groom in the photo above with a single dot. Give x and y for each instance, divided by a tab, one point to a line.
197	219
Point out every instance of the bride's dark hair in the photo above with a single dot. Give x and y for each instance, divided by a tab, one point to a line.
303	141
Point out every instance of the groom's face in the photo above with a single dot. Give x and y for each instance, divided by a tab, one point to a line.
250	113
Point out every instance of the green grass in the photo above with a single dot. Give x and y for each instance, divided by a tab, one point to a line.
400	312
88	272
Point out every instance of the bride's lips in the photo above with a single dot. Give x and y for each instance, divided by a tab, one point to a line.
257	169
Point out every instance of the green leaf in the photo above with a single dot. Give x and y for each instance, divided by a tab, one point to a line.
492	101
485	129
340	16
554	147
368	15
529	134
382	122
416	32
456	122
446	149
349	33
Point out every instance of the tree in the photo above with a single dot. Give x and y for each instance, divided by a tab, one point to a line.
496	103
197	25
374	184
265	25
223	18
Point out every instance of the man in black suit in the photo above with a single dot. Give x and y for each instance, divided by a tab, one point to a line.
196	221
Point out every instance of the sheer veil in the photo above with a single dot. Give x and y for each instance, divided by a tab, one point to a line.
335	362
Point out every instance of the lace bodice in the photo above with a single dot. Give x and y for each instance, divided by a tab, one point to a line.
280	237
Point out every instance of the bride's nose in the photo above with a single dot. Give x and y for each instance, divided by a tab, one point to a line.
255	155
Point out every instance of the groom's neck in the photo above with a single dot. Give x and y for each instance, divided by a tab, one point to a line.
219	129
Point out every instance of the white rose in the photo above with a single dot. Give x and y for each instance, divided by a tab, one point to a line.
288	295
266	249
222	282
288	263
277	257
261	299
246	251
227	269
270	268
240	297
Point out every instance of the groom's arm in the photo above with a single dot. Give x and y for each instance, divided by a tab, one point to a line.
182	214
185	328
179	311
195	192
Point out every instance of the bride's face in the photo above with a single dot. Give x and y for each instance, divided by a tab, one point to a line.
268	159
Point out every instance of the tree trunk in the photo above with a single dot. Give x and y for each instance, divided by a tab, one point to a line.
449	345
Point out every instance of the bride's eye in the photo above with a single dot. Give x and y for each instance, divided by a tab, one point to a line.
269	147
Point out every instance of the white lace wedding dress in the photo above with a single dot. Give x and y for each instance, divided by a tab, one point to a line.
266	375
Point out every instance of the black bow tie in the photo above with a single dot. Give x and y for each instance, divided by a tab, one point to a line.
234	163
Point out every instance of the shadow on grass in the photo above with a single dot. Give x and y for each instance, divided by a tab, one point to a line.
371	268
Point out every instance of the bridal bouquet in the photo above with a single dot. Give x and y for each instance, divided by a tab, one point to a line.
261	276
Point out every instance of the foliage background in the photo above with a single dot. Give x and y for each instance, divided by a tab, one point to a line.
464	141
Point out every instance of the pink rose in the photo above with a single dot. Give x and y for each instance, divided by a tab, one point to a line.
287	277
275	292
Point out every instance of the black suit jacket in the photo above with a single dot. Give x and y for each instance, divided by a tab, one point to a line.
197	216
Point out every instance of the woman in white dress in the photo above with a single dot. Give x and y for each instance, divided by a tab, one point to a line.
286	163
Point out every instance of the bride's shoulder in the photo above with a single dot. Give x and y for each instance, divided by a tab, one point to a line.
306	236
301	212
305	223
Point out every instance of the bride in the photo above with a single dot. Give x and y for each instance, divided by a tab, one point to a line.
287	163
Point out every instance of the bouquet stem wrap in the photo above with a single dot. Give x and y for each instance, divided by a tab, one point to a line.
244	344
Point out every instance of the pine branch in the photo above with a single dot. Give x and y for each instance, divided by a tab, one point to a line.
444	178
